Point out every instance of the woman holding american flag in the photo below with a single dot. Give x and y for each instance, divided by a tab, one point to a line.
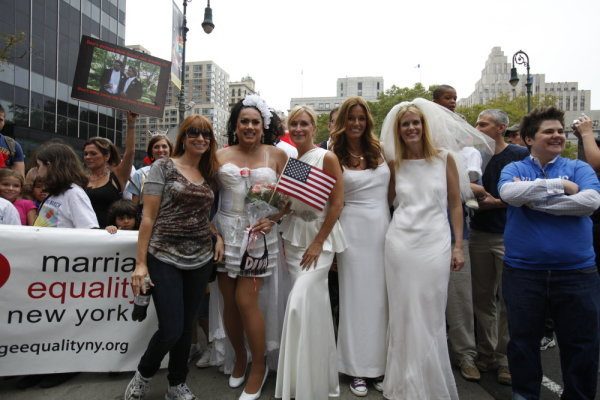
307	366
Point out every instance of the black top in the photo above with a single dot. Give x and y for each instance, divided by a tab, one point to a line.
102	197
493	220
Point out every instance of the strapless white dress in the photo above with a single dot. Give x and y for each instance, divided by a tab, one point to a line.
231	220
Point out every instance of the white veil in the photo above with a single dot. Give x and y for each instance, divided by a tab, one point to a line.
449	131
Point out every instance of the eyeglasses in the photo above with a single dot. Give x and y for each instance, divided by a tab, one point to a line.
194	133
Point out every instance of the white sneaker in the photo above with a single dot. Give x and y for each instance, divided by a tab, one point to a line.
378	384
137	387
204	360
547	343
180	392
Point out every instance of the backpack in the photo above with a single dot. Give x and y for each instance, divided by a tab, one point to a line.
12	147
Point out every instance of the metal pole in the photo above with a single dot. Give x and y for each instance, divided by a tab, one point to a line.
184	30
528	85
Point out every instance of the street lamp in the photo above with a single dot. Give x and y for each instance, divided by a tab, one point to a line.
207	26
520	57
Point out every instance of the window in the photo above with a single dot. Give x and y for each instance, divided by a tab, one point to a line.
378	85
359	86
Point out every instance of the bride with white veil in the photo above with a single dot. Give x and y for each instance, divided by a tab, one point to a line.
421	142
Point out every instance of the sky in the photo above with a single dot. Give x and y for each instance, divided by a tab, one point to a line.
300	48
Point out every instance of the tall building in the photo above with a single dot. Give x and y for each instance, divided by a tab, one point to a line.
494	82
35	84
206	93
368	87
239	90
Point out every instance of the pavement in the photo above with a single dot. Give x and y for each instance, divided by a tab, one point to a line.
210	384
207	383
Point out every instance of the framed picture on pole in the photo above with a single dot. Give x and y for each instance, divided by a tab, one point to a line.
118	77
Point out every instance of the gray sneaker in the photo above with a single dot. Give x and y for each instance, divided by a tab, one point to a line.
180	392
137	387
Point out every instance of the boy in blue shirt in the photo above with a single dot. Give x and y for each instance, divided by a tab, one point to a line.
549	259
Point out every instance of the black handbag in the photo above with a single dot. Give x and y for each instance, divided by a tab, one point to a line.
251	265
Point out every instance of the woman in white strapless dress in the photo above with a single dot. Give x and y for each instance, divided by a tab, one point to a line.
307	368
246	162
365	218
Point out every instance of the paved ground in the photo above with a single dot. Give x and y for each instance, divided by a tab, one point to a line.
206	384
210	384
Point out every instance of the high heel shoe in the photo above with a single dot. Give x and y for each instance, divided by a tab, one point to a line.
255	396
237	382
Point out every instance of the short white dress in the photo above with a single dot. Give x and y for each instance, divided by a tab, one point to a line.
231	221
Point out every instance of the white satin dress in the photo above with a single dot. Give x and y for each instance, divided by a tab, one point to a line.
363	298
417	267
307	367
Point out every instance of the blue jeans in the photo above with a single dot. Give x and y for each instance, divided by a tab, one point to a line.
177	294
572	299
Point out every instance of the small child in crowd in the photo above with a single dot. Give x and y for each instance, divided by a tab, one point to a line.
11	187
38	192
122	214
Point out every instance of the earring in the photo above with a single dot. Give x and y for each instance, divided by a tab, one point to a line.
183	146
262	138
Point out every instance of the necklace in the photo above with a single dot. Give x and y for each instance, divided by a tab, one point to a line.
98	177
360	157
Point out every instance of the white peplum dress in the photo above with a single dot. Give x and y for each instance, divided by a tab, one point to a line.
363	299
307	367
231	220
417	267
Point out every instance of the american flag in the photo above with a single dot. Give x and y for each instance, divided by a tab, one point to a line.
308	184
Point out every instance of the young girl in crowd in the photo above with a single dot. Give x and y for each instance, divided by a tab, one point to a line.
67	204
11	187
122	215
38	192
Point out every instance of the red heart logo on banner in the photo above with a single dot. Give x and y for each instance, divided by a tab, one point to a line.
4	270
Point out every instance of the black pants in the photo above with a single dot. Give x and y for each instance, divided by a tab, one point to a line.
177	294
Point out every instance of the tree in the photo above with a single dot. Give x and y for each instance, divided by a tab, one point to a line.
515	108
322	128
570	151
393	96
8	44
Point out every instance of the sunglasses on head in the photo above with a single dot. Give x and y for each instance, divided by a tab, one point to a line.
194	133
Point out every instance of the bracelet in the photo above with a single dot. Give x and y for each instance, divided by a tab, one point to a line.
216	235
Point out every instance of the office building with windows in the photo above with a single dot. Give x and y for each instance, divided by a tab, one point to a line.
239	90
494	82
35	82
206	93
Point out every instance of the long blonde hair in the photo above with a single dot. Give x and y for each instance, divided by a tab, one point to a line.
429	151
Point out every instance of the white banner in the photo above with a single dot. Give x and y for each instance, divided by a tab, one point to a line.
66	301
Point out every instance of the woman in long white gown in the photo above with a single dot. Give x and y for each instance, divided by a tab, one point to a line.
244	163
364	219
418	260
307	368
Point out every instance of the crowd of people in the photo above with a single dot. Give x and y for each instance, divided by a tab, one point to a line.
438	244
